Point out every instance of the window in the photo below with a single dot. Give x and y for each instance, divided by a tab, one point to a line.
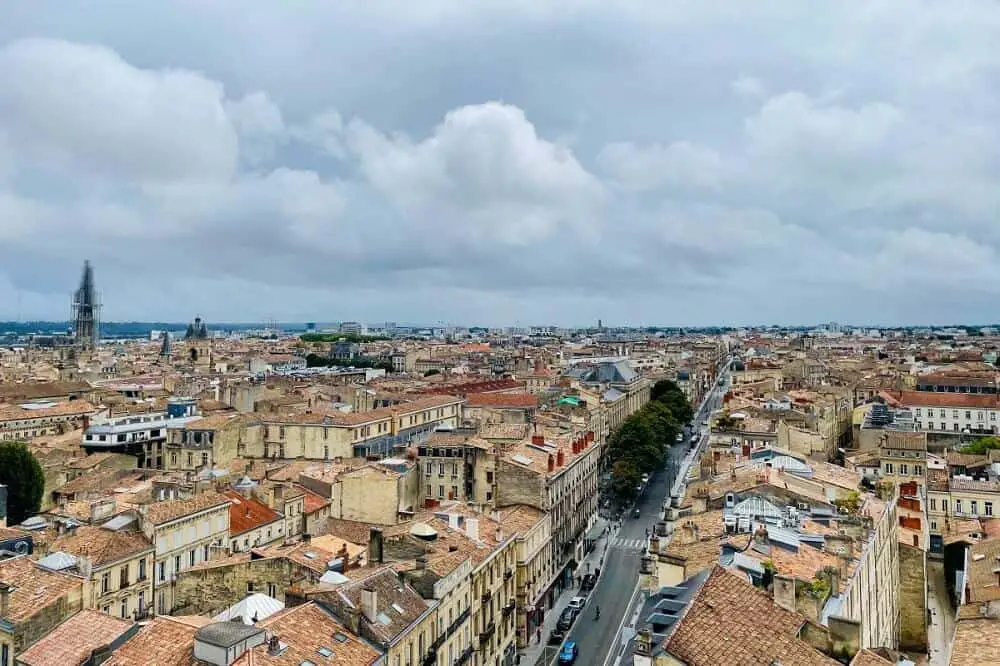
933	524
918	470
968	414
917	412
272	590
281	432
124	608
440	469
988	507
4	655
975	507
190	459
162	573
173	459
889	469
489	477
954	426
454	492
141	606
107	610
207	551
123	582
944	505
326	433
933	504
177	563
993	416
930	425
249	587
954	414
204	459
142	569
105	583
428	468
440	492
904	469
430	490
958	507
979	416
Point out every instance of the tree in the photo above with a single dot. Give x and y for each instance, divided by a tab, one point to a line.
670	394
665	426
635	442
982	445
625	479
663	387
432	372
25	481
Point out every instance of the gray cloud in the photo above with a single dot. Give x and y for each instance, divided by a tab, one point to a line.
515	163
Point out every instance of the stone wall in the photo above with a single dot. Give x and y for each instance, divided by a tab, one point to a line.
519	485
212	589
912	599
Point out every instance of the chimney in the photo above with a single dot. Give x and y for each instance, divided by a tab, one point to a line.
421	562
273	647
369	604
560	458
472	528
538	440
85	566
375	544
5	590
552	463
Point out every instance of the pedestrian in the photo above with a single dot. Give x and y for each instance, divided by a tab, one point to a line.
538	632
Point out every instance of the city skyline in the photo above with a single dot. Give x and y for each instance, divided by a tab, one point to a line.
639	173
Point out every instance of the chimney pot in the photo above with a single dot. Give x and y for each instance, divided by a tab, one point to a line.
552	463
369	604
5	590
538	440
560	458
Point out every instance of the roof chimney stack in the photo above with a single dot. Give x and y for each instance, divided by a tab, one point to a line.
369	604
552	463
538	440
560	458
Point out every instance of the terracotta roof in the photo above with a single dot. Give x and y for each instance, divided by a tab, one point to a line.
868	658
71	408
732	623
976	643
102	546
390	595
312	502
33	391
35	589
159	513
307	628
935	399
73	641
983	584
214	422
165	641
508	400
349	530
247	513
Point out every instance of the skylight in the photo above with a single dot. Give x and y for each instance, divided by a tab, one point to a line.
324	651
339	637
396	607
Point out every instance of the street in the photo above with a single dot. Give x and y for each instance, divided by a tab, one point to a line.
615	590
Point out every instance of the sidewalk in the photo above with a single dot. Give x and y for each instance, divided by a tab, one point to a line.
530	655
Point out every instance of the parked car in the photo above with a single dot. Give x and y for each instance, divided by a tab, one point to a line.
568	653
588	582
566	619
577	603
636	512
556	636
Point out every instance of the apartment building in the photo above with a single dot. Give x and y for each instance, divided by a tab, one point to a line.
952	499
317	436
252	523
903	463
557	474
33	601
26	421
535	575
184	533
203	443
950	413
115	562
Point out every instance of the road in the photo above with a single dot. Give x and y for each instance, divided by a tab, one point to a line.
615	590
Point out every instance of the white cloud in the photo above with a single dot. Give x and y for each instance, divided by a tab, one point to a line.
346	161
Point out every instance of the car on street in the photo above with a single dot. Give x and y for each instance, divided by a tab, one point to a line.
566	619
635	512
588	582
577	603
569	652
556	636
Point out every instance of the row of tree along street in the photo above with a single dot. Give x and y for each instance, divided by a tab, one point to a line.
639	446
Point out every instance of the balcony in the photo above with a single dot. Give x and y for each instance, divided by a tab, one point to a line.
485	634
459	621
487	596
509	608
507	575
430	658
465	657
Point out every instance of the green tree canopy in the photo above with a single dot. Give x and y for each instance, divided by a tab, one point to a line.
670	394
25	481
432	372
625	478
982	445
663	387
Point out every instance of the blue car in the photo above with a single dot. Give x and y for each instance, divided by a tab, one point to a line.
568	653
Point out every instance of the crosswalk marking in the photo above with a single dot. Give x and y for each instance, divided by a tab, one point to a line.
629	544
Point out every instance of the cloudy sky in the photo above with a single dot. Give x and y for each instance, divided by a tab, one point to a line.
503	161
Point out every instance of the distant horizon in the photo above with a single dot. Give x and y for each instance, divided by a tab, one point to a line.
153	324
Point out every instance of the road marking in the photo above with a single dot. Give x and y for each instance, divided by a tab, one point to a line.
629	544
626	616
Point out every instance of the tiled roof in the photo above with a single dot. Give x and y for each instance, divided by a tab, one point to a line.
247	513
34	391
508	400
869	658
984	557
159	513
102	546
398	605
305	630
34	588
73	641
165	641
976	643
70	408
934	399
312	501
732	623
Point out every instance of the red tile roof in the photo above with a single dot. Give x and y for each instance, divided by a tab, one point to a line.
247	513
509	400
934	399
73	641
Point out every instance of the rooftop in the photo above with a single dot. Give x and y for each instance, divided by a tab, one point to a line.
73	641
159	513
